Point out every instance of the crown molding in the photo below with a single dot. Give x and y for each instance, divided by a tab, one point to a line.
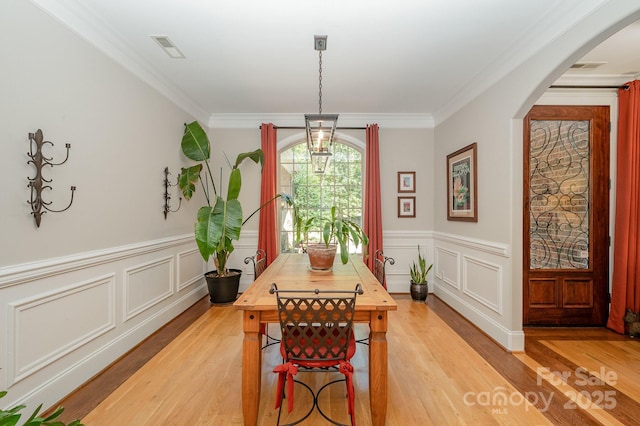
594	80
92	28
543	32
388	121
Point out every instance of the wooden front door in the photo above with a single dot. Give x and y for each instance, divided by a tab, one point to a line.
566	215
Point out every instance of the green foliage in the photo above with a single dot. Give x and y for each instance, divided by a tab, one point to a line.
301	225
11	416
343	230
420	271
217	225
340	186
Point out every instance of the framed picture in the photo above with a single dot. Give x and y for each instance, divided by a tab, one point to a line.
462	185
406	181
406	206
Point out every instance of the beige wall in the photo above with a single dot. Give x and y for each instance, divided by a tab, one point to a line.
112	257
490	251
95	280
122	135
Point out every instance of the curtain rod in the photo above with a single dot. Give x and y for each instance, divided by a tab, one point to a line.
624	86
302	128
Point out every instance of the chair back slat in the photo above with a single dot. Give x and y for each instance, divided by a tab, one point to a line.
259	261
316	325
379	266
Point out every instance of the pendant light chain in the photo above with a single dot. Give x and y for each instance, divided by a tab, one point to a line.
320	128
320	83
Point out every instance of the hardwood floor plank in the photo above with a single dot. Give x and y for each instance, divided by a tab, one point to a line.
442	371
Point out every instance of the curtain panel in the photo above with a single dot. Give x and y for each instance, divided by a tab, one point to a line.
372	225
626	264
268	226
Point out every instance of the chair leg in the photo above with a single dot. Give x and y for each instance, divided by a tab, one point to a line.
364	340
317	398
283	396
268	337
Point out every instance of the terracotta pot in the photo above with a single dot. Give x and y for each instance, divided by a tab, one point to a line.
321	257
419	292
223	289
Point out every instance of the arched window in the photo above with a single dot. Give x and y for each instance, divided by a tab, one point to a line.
340	185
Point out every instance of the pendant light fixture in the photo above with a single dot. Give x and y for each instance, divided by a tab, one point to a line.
320	127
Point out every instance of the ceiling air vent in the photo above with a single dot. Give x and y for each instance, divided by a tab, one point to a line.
168	46
586	65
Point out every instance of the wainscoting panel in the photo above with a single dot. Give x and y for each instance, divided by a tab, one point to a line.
483	281
478	291
447	266
74	316
147	285
402	246
68	318
190	268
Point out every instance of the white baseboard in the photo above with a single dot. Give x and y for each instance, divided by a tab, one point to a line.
147	285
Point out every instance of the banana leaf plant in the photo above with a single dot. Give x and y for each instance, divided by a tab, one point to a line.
220	221
11	416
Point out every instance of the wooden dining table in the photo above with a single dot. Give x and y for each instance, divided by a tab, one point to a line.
291	271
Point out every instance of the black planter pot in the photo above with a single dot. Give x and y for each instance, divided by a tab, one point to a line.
223	289
419	292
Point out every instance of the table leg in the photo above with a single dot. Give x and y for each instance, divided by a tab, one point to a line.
378	372
251	367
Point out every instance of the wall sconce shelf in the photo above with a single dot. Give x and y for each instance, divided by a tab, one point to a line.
167	197
38	183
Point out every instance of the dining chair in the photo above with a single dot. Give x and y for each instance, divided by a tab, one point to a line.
317	336
259	261
379	271
380	266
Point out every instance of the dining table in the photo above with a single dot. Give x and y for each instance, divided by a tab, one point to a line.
292	271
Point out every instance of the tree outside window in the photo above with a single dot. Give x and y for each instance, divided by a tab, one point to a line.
315	194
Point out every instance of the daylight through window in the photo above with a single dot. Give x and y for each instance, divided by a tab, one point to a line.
315	193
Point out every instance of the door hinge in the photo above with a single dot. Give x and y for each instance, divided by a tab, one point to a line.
609	184
609	297
609	242
609	127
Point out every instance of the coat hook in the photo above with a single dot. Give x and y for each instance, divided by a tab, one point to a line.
38	182
167	197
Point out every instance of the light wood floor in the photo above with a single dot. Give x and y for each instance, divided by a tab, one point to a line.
442	371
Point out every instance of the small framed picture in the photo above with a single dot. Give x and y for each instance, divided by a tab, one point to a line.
406	206
462	185
406	181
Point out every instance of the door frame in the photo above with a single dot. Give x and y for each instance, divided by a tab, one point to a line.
597	97
608	212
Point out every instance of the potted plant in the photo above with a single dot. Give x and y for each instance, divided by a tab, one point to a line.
419	272
337	230
11	416
301	227
220	221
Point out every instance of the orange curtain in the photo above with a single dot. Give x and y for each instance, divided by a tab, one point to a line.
372	225
626	264
267	228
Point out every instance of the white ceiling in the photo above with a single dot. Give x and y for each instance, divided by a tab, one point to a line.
403	57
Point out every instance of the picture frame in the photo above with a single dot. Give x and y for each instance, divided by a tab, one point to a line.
406	207
407	182
462	184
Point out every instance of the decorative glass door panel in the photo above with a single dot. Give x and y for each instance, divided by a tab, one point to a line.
566	215
559	194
